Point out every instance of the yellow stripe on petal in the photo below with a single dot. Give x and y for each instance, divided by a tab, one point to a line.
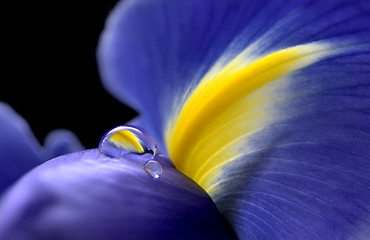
225	107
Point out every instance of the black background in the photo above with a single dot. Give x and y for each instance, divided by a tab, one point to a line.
49	71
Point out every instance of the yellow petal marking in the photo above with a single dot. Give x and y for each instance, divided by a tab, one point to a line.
225	107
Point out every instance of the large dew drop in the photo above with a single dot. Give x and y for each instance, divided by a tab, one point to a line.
127	139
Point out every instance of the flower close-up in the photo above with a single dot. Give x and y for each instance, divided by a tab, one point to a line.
253	123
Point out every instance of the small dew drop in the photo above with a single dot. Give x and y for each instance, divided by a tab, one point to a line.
127	139
153	167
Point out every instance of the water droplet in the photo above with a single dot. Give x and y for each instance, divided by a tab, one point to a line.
127	139
153	167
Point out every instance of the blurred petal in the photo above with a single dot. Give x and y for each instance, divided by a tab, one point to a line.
60	142
265	104
87	195
19	149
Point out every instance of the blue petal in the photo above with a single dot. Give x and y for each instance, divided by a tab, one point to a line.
302	173
61	141
19	149
87	195
152	52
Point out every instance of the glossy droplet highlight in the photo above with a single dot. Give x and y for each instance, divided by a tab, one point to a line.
154	168
127	139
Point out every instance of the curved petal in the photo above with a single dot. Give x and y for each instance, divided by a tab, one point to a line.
152	54
265	104
88	195
60	142
19	149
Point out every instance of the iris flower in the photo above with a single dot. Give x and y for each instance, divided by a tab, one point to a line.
262	107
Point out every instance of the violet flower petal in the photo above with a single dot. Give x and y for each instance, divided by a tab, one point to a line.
303	172
88	195
19	149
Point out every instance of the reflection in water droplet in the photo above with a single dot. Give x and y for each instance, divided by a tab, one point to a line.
127	139
153	167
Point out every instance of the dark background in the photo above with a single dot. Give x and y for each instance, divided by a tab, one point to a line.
49	71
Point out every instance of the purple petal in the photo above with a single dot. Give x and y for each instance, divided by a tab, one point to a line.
303	172
87	195
19	149
60	142
152	53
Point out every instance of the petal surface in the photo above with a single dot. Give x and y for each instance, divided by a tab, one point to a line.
19	149
265	104
88	195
